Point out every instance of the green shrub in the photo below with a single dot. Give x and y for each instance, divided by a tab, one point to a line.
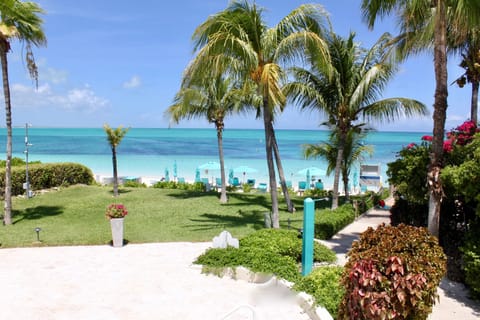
392	272
134	184
48	175
16	162
329	222
269	251
323	284
285	242
197	186
471	259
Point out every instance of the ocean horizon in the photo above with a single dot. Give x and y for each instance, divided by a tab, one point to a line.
149	152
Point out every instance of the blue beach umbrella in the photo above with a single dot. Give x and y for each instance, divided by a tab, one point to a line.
175	169
244	170
314	171
230	176
167	175
197	175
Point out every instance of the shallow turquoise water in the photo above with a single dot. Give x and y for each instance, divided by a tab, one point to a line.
149	152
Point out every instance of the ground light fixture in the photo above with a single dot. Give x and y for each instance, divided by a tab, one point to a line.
37	230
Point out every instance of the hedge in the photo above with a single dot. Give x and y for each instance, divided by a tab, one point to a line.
47	175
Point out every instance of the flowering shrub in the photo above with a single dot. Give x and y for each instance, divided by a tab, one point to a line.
392	273
116	210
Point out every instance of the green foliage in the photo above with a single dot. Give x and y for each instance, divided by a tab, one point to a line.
323	284
409	172
247	188
471	257
134	184
49	175
392	272
285	242
328	222
268	251
16	162
315	193
197	186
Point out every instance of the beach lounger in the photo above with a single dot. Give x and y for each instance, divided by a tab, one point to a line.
235	182
319	185
302	186
251	182
262	187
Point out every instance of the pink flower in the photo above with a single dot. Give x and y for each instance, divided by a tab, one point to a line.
411	145
447	146
427	138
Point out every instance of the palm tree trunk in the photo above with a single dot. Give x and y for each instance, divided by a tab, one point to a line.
115	172
281	175
223	194
474	105
345	185
7	218
336	178
439	117
267	119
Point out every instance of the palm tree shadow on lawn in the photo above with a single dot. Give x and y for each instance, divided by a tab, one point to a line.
208	221
36	213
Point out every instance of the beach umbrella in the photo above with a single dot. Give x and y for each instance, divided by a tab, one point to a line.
314	171
175	169
230	176
197	175
244	170
210	165
167	175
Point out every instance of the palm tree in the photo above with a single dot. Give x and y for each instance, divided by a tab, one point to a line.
354	153
253	53
351	93
214	98
417	19
470	52
18	20
114	137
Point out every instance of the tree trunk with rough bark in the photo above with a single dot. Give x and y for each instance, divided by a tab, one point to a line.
267	119
223	193
439	117
115	172
7	218
281	175
474	104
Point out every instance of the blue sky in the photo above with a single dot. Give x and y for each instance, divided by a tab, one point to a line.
121	62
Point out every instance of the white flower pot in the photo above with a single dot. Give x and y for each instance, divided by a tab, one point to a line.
117	231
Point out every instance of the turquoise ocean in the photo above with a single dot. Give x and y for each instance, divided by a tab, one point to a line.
150	152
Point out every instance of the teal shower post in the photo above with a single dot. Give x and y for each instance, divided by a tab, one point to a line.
307	237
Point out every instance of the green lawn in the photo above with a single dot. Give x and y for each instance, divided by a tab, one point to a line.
75	216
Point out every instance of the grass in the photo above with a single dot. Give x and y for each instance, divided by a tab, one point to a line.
75	216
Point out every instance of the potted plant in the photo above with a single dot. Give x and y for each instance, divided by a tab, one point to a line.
115	213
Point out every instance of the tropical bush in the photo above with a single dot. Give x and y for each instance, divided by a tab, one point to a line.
17	162
197	186
392	272
323	284
329	222
48	175
134	184
272	251
471	258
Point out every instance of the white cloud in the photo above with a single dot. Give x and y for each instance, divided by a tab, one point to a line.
82	99
53	75
134	82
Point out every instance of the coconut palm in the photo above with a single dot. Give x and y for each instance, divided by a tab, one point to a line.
253	53
469	50
354	153
213	98
18	20
417	20
351	93
114	137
